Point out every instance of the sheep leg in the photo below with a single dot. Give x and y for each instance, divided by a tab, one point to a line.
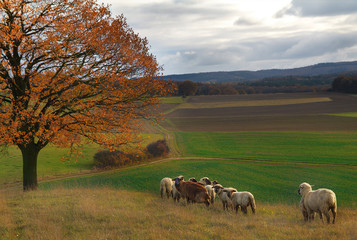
327	215
333	210
310	215
236	208
253	209
320	214
162	192
304	213
244	209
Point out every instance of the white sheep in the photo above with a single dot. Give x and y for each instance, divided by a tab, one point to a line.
242	200
223	195
211	192
166	186
209	186
321	201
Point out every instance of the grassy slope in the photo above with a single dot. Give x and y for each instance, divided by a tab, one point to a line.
49	161
272	171
268	183
106	213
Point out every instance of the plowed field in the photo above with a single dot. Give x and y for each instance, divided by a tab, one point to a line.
265	112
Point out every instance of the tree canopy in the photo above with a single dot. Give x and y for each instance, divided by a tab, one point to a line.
68	70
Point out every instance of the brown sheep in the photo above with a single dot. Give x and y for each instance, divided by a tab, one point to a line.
192	191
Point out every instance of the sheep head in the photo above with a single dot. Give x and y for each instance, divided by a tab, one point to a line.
218	188
304	188
192	179
205	181
230	192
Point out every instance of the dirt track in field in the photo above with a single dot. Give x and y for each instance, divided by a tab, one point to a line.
311	116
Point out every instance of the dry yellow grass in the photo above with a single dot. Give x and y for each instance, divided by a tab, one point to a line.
113	214
253	103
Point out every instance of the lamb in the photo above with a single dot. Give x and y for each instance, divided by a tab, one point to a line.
193	192
321	201
223	195
242	200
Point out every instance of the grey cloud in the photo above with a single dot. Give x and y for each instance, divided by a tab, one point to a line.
312	8
266	52
243	21
189	36
318	44
152	14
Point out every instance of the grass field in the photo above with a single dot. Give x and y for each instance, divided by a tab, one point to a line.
50	163
267	149
311	147
106	213
270	183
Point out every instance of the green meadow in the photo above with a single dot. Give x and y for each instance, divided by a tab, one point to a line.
270	183
311	147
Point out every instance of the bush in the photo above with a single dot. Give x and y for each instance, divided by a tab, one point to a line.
158	148
110	159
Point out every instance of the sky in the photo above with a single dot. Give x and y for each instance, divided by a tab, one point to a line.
191	36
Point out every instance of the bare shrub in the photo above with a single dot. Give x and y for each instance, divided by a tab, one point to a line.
158	148
111	159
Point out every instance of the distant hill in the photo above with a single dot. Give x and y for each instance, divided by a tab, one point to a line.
246	76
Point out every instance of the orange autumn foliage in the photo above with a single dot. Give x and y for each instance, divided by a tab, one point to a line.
69	69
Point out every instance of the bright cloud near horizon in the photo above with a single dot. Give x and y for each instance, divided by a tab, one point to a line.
190	36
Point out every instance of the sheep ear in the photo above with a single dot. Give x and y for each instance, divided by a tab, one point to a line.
312	185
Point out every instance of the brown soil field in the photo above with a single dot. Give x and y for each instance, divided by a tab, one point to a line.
283	115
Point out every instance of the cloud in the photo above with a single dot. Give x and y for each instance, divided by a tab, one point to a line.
309	8
317	44
210	35
244	21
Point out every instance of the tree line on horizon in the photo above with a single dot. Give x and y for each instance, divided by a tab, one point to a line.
288	84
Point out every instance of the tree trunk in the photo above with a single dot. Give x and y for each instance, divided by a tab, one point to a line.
29	157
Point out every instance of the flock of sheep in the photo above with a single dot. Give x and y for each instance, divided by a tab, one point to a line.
320	201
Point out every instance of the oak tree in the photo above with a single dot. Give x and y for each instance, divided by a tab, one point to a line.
68	70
